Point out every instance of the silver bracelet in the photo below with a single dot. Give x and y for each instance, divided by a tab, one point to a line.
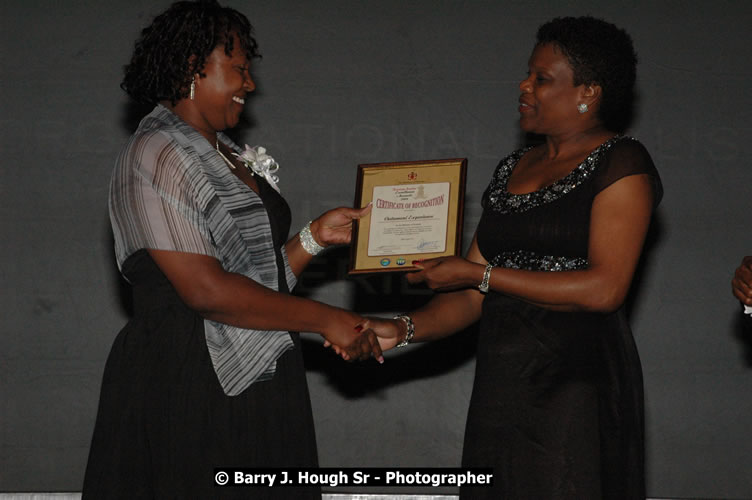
307	241
483	287
410	329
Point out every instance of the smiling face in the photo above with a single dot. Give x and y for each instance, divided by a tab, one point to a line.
549	99
220	95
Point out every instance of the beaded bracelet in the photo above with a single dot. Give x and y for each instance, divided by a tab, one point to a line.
483	287
410	329
308	242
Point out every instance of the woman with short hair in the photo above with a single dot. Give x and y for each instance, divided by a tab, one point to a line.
557	403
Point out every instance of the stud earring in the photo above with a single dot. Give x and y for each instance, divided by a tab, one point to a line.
582	108
193	88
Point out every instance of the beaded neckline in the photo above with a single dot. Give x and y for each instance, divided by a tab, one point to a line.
501	200
532	261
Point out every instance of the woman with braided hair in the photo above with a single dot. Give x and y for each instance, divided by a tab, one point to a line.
209	372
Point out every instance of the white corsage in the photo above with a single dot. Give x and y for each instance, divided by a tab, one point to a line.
258	162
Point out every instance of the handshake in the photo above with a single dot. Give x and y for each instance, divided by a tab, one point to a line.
370	337
355	337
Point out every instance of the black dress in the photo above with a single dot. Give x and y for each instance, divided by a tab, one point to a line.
557	405
164	422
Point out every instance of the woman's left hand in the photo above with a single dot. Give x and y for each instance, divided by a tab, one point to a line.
447	273
335	226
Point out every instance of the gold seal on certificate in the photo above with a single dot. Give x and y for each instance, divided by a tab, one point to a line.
417	214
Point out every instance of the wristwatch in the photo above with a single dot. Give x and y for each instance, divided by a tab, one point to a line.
483	287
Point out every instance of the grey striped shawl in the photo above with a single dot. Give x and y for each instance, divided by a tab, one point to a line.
170	190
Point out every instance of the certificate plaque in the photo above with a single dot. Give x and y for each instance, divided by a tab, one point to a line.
417	214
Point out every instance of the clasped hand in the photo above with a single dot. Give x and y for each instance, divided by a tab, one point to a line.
440	274
387	333
741	284
351	339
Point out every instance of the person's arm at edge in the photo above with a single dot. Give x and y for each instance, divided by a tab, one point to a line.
741	284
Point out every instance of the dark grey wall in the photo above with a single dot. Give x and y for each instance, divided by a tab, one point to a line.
343	83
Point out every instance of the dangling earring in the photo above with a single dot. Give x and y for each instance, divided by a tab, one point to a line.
582	107
193	88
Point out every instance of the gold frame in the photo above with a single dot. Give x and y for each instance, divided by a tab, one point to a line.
370	176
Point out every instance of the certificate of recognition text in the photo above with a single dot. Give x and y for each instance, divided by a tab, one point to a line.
409	219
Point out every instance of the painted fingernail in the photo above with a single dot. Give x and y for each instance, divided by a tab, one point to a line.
359	328
380	359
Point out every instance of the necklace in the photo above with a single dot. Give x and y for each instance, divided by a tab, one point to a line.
229	163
